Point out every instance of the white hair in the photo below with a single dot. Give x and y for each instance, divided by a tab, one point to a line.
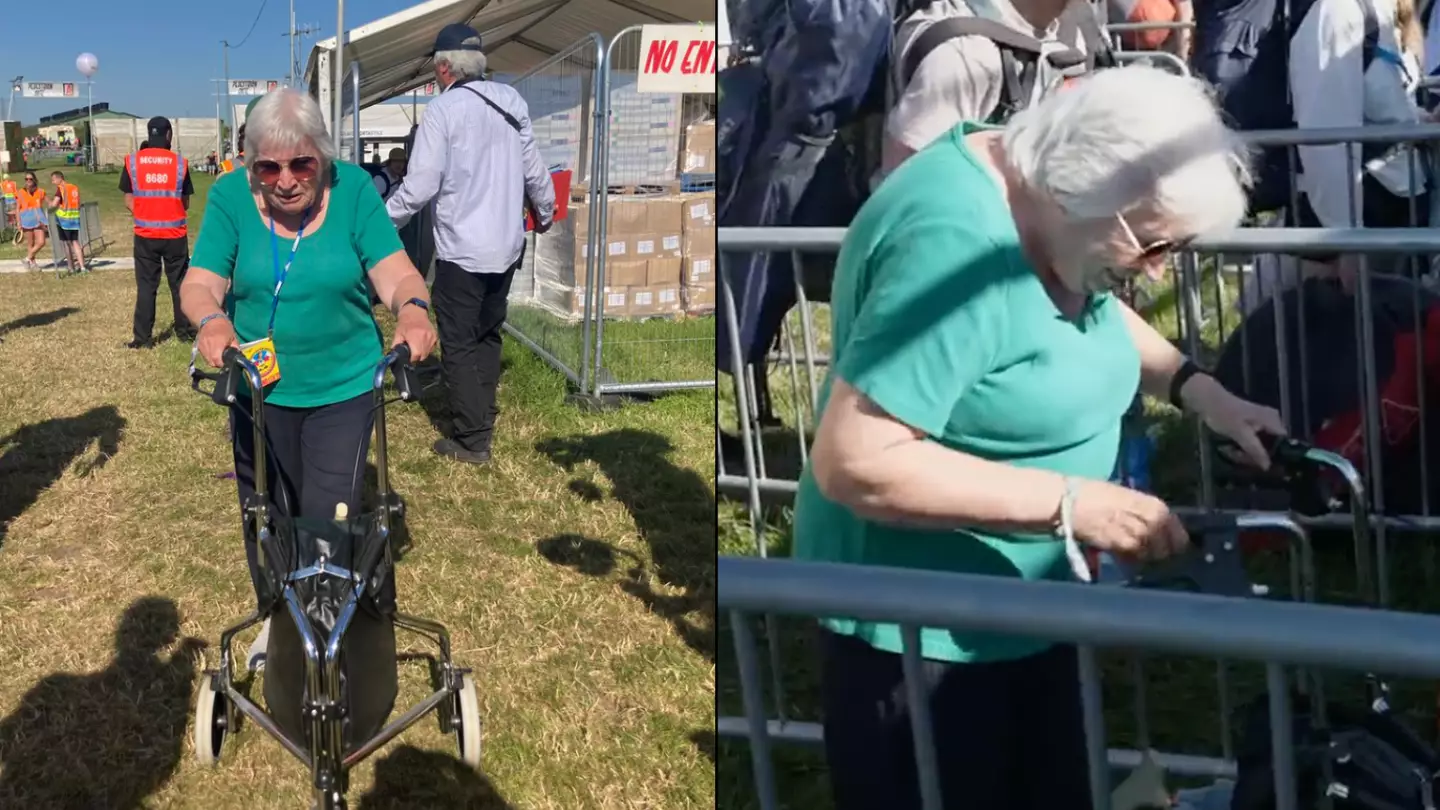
1131	135
464	64
287	118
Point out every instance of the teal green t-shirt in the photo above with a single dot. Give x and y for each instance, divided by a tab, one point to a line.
326	338
940	320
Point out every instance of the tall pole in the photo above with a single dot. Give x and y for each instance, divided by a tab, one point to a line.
338	102
219	131
292	43
229	112
10	107
90	110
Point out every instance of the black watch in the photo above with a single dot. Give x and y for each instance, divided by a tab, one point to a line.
1187	370
419	302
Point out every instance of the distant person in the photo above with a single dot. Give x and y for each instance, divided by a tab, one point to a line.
388	180
30	203
157	188
238	162
66	205
475	157
8	196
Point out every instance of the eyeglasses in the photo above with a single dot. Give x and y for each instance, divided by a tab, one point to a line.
1153	250
303	169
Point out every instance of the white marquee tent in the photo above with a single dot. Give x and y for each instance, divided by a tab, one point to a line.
393	53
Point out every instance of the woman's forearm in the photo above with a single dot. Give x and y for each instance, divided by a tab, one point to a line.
412	286
198	302
927	485
1159	359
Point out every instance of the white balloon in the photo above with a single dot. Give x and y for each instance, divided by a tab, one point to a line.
87	63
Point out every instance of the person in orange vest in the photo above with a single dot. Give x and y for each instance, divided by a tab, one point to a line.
8	192
30	206
157	188
238	162
66	204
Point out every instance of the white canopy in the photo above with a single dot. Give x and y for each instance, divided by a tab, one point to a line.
394	52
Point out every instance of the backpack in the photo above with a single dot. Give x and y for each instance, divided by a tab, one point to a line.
1242	47
1019	53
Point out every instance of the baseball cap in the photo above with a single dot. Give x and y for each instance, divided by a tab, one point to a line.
457	37
158	127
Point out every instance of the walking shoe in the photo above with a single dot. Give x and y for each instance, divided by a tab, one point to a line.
455	450
255	659
138	344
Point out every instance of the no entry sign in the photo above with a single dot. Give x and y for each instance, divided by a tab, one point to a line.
677	59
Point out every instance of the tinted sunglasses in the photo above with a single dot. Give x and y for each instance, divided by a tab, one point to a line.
1152	250
302	169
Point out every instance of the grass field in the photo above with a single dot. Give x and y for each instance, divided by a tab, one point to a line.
576	574
1184	705
115	222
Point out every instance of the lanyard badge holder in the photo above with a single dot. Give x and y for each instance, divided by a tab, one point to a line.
262	352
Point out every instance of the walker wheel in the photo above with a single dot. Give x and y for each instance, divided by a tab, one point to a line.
467	722
212	719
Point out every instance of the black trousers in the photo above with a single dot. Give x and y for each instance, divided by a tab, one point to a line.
150	254
1008	735
315	459
470	308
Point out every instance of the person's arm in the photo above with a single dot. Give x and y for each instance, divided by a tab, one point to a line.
539	188
426	170
212	267
956	82
397	281
932	325
1328	85
187	190
1184	37
1159	359
127	188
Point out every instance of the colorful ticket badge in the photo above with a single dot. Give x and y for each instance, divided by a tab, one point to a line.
262	354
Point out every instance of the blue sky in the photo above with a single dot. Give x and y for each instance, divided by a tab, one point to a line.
157	57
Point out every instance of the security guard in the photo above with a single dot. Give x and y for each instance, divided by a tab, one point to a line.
238	162
157	188
66	205
8	197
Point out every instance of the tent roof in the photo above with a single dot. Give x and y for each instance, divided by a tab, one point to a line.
394	52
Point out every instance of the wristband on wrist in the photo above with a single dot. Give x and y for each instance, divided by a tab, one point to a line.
207	319
1187	370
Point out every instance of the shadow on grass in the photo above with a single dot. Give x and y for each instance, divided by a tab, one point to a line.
36	456
109	738
409	778
674	512
36	319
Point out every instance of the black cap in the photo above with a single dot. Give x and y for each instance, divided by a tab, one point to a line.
159	127
456	37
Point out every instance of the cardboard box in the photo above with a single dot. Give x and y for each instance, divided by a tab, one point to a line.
700	298
699	154
617	302
626	273
626	216
662	273
699	269
698	209
652	299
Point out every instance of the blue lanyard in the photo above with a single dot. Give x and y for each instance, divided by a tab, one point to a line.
281	273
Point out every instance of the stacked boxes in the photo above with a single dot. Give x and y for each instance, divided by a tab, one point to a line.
699	155
697	213
644	140
643	258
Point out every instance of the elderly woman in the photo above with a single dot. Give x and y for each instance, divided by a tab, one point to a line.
972	415
294	238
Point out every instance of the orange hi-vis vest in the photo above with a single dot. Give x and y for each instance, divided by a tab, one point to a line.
32	208
67	215
237	162
157	182
7	192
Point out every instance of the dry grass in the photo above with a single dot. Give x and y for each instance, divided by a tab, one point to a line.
576	575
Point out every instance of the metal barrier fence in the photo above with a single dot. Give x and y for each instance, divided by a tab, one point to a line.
1275	633
551	311
641	155
92	235
623	150
1219	281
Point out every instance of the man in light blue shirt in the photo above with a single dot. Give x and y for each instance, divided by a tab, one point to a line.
475	157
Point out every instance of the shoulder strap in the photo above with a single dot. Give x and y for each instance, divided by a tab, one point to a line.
945	30
509	119
1080	17
1372	34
